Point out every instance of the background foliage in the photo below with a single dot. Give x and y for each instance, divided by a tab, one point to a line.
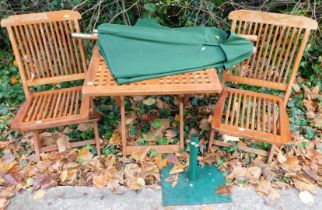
174	13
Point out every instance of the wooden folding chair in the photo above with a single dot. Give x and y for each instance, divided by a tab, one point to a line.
47	54
281	40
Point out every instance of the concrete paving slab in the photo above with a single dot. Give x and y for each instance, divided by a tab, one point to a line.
83	198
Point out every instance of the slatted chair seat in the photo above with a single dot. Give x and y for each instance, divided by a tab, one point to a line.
280	44
47	108
253	115
47	54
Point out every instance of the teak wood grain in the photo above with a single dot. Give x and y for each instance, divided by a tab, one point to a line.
46	53
280	44
99	82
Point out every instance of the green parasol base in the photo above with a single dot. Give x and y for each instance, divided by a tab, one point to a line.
200	190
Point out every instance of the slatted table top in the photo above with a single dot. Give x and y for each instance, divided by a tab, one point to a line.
100	82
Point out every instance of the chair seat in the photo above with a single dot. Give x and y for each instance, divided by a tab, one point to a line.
52	108
252	115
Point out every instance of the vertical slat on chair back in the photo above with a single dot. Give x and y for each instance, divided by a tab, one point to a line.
44	48
281	40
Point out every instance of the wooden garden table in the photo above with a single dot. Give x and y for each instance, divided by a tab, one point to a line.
99	82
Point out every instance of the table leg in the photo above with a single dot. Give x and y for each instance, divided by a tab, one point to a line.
118	101
181	117
123	126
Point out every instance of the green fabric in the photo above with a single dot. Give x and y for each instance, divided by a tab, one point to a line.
149	50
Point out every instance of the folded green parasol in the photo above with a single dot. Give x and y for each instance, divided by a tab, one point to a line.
149	50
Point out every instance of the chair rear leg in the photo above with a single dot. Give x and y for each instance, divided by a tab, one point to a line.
37	144
211	139
97	139
271	153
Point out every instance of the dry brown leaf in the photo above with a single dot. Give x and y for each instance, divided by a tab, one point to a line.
149	101
170	134
62	143
84	155
311	94
304	186
115	139
204	124
253	174
4	203
84	126
227	138
264	187
152	135
224	189
132	170
238	172
101	180
160	162
317	121
139	155
280	157
63	175
67	130
179	168
296	88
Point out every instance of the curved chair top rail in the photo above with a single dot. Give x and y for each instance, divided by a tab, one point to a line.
273	18
43	17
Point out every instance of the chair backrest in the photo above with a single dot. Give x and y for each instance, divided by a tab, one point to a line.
281	40
44	49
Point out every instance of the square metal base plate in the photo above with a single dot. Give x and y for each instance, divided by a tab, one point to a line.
202	190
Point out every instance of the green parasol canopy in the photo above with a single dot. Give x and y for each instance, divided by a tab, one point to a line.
149	50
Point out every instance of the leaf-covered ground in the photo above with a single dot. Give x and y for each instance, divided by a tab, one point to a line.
154	121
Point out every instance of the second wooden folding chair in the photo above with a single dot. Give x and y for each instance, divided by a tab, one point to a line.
280	44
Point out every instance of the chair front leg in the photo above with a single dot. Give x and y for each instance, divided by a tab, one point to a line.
211	139
97	138
37	143
271	153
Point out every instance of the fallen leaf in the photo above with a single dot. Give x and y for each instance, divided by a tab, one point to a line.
280	157
115	139
311	94
67	130
84	126
264	187
179	168
139	155
63	175
296	88
62	143
84	155
253	174
39	194
227	138
152	135
4	203
149	101
238	173
160	162
304	186
224	189
204	125
140	182
101	180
